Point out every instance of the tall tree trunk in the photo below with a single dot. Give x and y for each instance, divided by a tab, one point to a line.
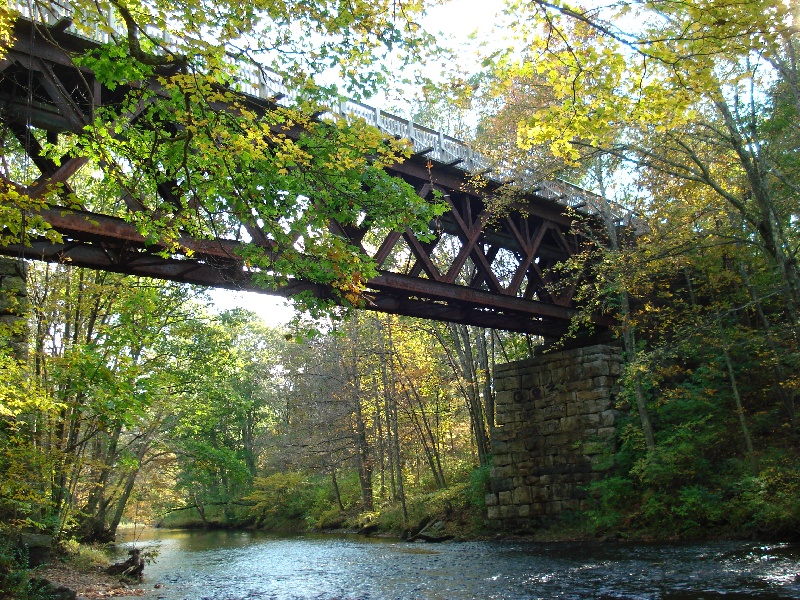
629	344
98	490
248	442
363	451
423	428
201	510
93	518
364	458
487	370
767	223
387	398
628	335
428	448
381	442
748	440
466	371
336	493
122	501
395	433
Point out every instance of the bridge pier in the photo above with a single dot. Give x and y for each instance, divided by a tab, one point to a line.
555	430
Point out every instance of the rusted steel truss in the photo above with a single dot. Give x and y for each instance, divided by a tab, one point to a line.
483	267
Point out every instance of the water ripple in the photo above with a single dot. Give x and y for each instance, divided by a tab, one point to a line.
239	566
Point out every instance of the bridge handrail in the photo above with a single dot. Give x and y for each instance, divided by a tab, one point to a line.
266	84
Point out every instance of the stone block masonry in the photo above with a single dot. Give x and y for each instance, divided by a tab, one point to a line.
555	423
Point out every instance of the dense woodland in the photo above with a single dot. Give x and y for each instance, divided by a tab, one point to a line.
136	401
148	404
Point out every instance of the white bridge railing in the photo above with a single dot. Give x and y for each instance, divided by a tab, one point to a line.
266	84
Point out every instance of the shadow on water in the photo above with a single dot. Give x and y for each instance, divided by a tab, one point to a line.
238	565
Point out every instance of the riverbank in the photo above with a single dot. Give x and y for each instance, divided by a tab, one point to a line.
88	582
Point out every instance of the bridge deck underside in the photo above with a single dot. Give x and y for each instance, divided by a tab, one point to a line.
482	266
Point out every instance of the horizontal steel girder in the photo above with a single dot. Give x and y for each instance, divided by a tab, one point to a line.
109	243
441	304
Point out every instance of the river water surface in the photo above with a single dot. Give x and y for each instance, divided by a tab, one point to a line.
237	565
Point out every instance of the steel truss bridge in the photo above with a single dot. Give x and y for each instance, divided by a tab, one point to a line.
479	269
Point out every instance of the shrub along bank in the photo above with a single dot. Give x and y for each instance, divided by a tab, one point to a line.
291	502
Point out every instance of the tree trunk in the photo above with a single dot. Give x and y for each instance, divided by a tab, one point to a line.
381	443
336	489
130	480
363	450
395	434
767	223
486	369
387	400
748	440
364	459
628	337
423	428
431	456
629	343
466	370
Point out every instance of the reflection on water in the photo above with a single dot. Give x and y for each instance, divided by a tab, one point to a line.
236	565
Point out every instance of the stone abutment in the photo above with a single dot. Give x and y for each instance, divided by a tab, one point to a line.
554	435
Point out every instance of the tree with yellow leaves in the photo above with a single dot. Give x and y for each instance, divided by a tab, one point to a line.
688	90
687	114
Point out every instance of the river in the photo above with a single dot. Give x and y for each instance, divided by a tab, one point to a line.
196	565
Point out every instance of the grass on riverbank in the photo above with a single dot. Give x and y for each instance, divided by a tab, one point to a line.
84	556
452	507
293	501
455	512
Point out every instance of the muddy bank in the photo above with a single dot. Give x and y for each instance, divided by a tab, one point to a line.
88	583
